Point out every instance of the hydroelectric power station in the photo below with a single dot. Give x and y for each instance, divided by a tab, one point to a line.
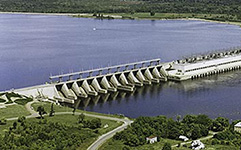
126	77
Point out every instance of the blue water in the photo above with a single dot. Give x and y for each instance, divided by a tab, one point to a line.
34	46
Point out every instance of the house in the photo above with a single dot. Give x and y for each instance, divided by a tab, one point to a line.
237	127
184	138
197	145
151	139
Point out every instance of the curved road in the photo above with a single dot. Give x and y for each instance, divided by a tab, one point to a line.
103	138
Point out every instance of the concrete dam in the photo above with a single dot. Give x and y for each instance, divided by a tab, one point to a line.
126	77
110	79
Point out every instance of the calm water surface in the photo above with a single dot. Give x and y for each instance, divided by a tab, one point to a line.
33	46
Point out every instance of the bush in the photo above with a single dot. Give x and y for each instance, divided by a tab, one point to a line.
23	101
2	100
92	124
21	119
215	142
3	121
167	146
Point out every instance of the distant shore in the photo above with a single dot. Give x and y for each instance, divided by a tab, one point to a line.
118	16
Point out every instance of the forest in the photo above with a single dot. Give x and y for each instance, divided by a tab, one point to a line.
190	126
43	134
230	7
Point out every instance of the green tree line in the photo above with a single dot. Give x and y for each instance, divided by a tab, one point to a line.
123	6
191	126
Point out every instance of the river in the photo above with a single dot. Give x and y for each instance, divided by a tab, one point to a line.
32	47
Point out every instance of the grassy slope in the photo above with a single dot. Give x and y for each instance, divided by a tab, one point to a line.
13	111
58	108
72	121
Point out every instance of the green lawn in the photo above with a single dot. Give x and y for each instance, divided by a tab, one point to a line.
59	108
71	120
13	111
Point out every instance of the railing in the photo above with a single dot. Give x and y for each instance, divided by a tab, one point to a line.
108	69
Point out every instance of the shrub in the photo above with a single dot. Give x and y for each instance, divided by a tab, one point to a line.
21	119
167	146
3	121
214	142
23	101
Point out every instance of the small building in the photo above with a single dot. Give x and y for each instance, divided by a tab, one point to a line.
184	138
151	139
106	126
197	145
237	127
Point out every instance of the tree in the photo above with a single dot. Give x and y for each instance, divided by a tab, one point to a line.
21	118
3	121
41	111
51	113
15	125
74	109
81	118
196	133
95	123
167	146
223	121
178	118
204	120
152	13
189	119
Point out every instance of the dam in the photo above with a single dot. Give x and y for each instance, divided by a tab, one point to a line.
126	77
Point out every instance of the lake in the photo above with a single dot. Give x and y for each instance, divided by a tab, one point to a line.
36	46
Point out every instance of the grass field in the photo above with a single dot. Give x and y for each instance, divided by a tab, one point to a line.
59	108
13	111
70	120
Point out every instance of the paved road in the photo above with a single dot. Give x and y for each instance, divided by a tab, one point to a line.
103	138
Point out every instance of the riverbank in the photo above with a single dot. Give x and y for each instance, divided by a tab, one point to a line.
139	16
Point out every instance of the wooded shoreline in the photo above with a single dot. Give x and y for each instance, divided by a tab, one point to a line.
116	16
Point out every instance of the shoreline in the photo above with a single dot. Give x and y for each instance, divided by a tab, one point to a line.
113	16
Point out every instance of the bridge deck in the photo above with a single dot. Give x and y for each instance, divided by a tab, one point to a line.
105	68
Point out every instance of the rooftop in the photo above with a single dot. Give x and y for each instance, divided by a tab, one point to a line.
238	124
151	137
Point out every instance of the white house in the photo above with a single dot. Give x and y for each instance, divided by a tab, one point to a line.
197	145
237	127
184	138
151	139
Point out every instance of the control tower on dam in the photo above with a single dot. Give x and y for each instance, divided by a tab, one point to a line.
204	65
